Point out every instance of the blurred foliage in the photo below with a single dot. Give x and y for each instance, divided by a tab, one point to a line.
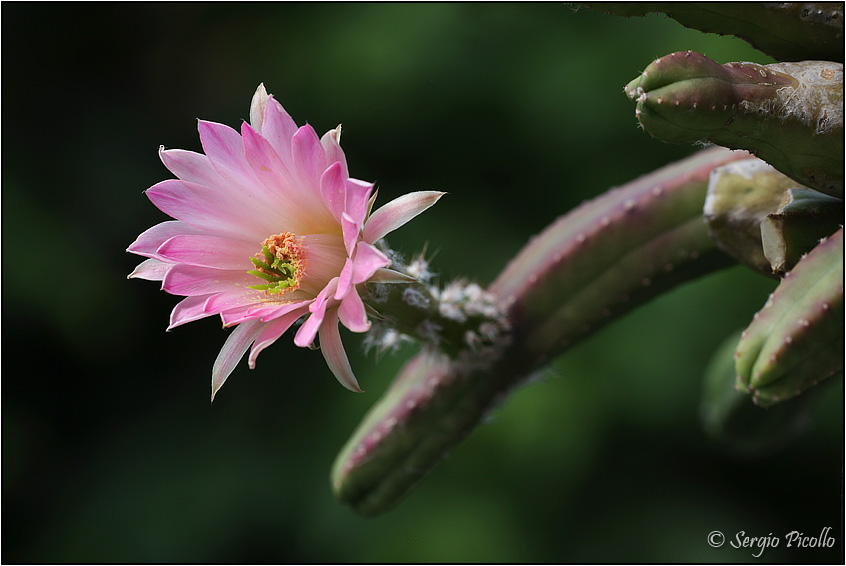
111	452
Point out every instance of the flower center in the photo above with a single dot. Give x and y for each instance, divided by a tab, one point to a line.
281	263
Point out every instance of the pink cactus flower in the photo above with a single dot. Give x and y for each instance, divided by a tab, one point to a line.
269	227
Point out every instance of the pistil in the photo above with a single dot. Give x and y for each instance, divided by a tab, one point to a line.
281	263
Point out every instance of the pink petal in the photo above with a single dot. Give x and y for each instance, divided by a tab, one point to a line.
209	209
295	206
331	142
190	166
190	280
325	257
264	161
336	357
235	177
358	195
351	231
300	307
209	251
188	309
263	311
355	210
352	313
202	207
151	270
278	128
227	152
322	300
257	107
149	241
225	149
332	189
345	280
305	335
367	261
271	333
398	212
239	314
233	350
238	297
308	155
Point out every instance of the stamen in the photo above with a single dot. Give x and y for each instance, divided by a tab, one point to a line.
281	263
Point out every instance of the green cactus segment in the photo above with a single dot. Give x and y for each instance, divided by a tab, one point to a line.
595	263
433	403
740	196
610	254
398	440
802	219
688	80
796	340
788	114
787	31
732	421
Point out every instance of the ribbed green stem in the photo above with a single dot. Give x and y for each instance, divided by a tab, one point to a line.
733	422
788	114
796	339
591	266
787	31
610	254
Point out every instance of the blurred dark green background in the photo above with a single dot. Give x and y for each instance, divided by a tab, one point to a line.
110	449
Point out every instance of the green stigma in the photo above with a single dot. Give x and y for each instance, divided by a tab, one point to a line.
279	273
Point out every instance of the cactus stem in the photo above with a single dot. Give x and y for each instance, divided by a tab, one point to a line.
796	340
790	112
574	278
